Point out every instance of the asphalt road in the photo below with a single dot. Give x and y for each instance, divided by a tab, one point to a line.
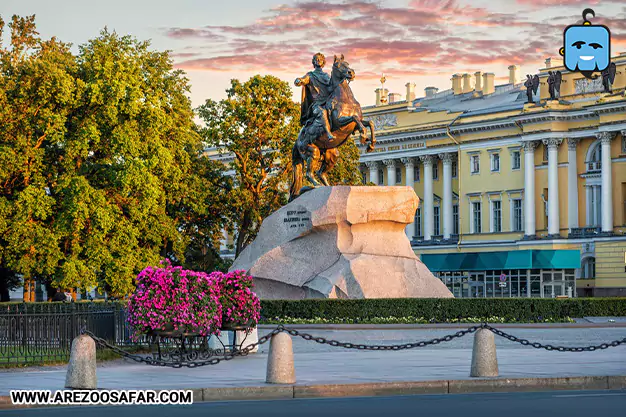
553	404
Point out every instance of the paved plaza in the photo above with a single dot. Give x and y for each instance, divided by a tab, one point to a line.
319	364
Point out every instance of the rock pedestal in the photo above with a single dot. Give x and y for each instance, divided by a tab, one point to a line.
340	242
81	370
484	358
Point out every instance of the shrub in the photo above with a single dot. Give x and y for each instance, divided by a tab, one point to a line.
172	298
446	309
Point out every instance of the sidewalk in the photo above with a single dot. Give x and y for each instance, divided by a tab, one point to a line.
322	364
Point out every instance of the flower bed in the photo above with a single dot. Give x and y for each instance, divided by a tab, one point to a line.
240	306
172	299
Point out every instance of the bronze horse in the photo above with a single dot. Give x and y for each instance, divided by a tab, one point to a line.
345	119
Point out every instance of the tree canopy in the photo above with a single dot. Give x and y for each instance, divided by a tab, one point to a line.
102	170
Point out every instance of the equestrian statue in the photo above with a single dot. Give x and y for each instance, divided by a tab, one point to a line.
330	115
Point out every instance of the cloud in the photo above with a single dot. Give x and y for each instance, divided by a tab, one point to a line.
559	2
417	39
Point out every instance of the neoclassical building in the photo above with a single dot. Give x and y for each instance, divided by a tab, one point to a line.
516	199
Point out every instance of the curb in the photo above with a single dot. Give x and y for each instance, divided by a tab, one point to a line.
416	326
374	389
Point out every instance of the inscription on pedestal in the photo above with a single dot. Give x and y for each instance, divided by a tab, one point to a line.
296	218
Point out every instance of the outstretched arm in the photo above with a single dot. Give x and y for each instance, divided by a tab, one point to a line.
302	81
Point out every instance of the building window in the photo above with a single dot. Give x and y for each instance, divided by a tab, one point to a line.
516	160
416	173
435	171
398	176
589	268
418	223
476	217
364	177
381	179
595	163
517	215
455	219
475	163
496	207
454	169
495	162
436	229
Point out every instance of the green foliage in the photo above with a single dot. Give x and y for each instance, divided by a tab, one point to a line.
257	124
101	165
444	309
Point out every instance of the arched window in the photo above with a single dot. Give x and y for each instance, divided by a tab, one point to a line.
594	162
588	268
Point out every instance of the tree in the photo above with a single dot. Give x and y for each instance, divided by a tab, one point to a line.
257	124
101	164
37	95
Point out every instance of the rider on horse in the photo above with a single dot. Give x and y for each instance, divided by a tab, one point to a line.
315	94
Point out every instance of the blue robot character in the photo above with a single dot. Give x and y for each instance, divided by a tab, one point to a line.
586	48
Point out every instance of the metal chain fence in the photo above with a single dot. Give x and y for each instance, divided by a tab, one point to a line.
150	360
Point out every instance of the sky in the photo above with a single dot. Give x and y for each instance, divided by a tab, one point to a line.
418	41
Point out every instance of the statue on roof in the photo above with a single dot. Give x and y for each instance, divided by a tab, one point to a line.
554	84
608	77
531	84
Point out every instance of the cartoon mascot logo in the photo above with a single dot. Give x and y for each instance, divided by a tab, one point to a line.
586	48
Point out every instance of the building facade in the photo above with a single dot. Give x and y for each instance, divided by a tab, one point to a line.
516	199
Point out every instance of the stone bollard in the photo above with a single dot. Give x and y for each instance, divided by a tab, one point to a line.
484	359
242	340
81	371
280	368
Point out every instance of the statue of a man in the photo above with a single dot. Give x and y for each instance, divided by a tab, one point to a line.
315	92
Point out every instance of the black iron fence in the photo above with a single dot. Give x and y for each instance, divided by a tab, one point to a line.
43	333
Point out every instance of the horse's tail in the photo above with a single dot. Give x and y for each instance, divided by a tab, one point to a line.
297	176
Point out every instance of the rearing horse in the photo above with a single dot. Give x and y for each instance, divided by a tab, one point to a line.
345	119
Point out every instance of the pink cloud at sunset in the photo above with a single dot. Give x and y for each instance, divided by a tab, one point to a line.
423	41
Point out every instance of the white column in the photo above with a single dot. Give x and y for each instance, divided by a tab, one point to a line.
391	171
572	184
409	166
588	204
607	182
447	159
529	188
427	212
373	167
553	185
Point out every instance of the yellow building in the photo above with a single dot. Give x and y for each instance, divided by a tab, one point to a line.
516	199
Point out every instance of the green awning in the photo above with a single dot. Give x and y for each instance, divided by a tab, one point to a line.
489	261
